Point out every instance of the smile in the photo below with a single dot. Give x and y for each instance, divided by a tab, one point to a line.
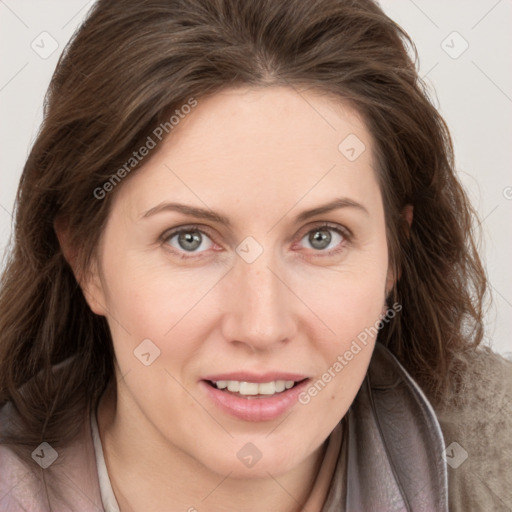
247	400
243	388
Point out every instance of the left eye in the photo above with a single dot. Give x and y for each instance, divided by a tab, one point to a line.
321	238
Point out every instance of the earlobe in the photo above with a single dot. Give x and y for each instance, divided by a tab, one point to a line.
395	274
391	280
61	230
408	214
92	288
88	279
390	283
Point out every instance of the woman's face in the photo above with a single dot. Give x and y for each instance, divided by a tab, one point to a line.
278	275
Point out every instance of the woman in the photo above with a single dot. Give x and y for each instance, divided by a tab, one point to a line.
244	275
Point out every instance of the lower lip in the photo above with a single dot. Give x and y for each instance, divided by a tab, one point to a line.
263	408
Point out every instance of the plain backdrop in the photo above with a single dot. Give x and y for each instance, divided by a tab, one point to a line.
464	54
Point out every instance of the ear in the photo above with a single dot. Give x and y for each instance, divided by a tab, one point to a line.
407	215
395	274
89	280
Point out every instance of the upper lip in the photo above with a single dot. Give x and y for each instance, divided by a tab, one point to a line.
256	377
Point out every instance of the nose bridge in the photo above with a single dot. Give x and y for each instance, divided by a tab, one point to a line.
261	313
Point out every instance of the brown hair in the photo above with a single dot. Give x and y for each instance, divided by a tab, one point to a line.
130	65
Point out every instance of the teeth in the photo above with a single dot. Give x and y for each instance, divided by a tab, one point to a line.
233	385
255	388
280	385
268	388
248	388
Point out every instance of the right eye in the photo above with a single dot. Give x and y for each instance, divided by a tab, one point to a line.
187	239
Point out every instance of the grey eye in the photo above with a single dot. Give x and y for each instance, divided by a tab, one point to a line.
188	240
321	238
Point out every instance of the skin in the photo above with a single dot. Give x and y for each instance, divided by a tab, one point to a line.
259	157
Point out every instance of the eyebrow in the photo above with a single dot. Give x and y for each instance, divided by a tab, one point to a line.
206	214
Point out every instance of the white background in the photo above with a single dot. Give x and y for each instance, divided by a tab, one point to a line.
472	91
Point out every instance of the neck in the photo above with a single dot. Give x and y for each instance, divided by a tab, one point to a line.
151	475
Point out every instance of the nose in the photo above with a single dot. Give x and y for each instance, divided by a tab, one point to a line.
261	307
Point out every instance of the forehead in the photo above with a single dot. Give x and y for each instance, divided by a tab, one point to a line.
253	147
282	119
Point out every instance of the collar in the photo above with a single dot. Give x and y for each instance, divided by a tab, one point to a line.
394	459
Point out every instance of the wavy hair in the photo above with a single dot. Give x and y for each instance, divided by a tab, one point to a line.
129	66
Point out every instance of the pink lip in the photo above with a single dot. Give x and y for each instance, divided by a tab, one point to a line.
253	377
261	408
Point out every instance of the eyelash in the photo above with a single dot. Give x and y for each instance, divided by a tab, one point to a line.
344	232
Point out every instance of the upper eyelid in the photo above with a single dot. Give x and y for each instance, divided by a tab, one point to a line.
172	232
346	232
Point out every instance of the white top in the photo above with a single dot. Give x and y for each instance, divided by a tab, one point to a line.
107	494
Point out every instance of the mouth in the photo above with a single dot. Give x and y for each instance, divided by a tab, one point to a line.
254	398
254	390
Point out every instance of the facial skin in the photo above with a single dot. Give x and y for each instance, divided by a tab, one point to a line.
259	157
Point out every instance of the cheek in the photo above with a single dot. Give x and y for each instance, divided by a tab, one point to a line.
352	311
348	306
169	307
152	295
348	301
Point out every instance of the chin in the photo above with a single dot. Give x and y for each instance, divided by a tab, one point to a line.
246	460
261	469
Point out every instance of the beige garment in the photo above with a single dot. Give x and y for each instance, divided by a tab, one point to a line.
477	428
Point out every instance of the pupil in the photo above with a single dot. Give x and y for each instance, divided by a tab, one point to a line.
320	239
189	241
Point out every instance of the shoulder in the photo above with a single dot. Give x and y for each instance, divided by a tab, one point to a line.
476	421
45	478
20	484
